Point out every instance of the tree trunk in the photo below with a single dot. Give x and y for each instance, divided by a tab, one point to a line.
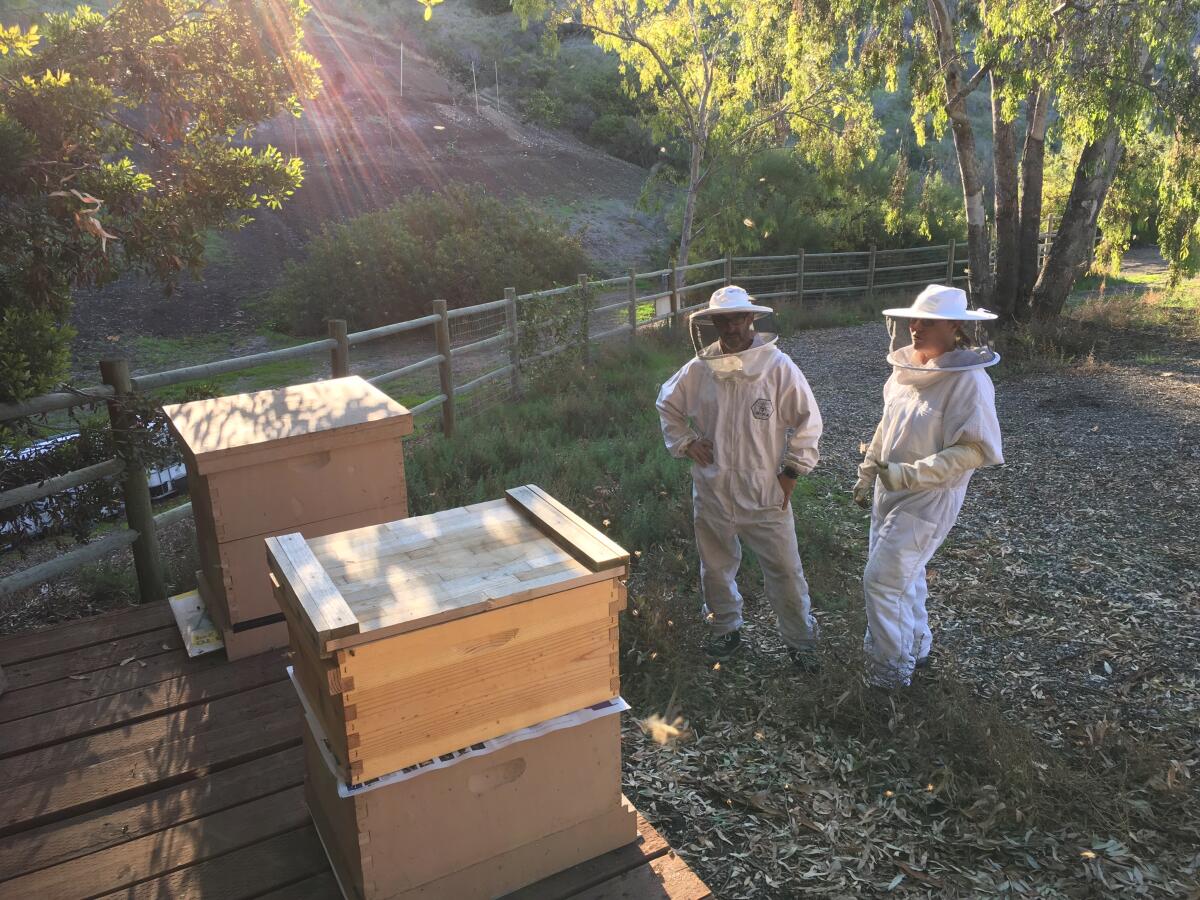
1004	161
689	203
1033	165
1093	177
979	264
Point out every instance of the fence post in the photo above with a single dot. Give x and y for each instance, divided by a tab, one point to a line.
633	304
514	345
441	331
139	514
728	269
673	287
585	321
871	275
950	265
800	277
339	356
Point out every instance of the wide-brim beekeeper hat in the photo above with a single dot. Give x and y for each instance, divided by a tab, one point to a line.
731	299
973	346
938	301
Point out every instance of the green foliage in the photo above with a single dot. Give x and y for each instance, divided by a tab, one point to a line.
553	321
1179	207
460	245
121	146
1131	211
777	201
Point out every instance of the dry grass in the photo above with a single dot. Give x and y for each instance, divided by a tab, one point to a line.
1104	324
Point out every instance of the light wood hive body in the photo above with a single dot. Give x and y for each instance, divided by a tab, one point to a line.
426	635
481	827
314	458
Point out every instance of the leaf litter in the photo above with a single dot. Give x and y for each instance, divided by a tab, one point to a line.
1053	748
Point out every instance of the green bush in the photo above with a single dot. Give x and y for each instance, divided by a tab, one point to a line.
543	107
460	245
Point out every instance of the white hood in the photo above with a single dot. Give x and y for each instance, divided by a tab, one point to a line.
749	363
964	359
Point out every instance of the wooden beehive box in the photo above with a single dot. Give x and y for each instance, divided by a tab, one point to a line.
313	458
421	636
483	825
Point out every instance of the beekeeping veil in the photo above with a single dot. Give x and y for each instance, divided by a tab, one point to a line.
974	349
706	339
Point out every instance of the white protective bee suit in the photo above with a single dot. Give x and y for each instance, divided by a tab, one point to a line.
759	412
939	424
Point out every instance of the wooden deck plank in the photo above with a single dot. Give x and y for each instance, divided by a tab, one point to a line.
174	848
190	786
110	626
316	887
101	683
89	659
569	882
123	822
192	722
59	794
247	872
127	707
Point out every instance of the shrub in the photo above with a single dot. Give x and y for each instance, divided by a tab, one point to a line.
459	245
623	136
544	108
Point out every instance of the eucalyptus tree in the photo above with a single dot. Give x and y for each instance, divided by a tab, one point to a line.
729	78
1096	75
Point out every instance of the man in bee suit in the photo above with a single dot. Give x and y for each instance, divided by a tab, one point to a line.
939	424
743	413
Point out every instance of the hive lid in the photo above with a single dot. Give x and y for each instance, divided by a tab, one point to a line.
243	429
373	582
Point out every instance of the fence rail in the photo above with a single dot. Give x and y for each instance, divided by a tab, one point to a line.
800	276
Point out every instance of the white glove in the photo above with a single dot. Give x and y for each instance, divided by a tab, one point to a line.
932	471
862	491
870	468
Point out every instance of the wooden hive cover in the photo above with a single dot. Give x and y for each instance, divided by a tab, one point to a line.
248	429
362	585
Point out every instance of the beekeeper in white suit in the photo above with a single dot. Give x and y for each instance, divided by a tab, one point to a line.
744	414
939	425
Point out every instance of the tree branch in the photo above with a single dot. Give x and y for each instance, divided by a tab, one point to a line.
973	82
631	38
766	120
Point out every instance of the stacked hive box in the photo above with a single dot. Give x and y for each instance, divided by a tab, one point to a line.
419	638
313	458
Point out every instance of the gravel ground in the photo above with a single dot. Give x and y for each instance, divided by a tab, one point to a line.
1070	586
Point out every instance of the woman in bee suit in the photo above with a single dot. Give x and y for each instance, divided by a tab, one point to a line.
939	425
744	414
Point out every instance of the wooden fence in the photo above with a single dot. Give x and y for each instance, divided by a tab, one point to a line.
607	308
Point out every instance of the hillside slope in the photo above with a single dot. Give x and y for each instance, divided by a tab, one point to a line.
364	145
